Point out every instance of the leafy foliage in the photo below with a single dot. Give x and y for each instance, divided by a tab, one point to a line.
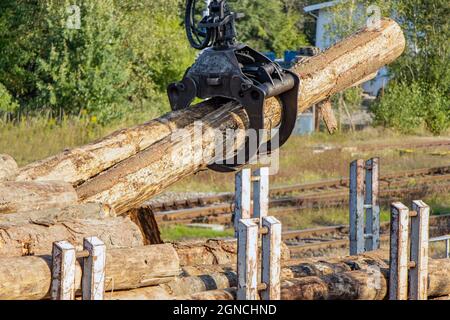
268	25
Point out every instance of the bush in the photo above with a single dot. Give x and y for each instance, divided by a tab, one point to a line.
409	107
7	103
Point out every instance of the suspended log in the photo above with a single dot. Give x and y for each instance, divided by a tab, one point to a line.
36	238
30	277
27	196
79	164
8	168
133	181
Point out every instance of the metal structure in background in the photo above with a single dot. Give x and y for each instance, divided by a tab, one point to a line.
64	259
408	271
364	206
235	72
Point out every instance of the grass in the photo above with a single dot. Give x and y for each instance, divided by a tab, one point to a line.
181	232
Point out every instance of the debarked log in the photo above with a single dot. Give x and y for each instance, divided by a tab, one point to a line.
30	277
27	196
36	238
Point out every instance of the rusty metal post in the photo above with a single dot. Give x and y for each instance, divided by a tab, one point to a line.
247	267
271	259
418	274
372	205
357	207
93	282
242	197
63	271
398	274
261	193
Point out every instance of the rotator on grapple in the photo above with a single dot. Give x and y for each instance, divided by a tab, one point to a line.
234	71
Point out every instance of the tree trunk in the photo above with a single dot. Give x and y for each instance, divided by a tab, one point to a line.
30	277
133	181
52	216
36	238
368	284
178	287
27	196
8	168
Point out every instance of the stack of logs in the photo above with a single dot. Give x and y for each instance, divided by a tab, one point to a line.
92	190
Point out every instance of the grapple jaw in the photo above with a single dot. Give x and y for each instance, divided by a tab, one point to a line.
242	74
235	72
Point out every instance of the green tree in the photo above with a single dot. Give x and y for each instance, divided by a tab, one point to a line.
268	25
63	66
419	89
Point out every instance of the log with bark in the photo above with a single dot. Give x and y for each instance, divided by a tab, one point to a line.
117	169
8	168
37	237
26	196
369	284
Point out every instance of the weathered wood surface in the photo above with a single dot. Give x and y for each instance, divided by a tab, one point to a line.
52	216
213	252
368	284
134	180
145	219
36	238
30	277
8	168
26	196
179	287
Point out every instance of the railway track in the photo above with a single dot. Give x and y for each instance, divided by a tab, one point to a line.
334	237
285	199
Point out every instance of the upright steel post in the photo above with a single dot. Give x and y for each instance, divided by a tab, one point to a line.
372	205
63	271
261	193
398	274
271	258
357	207
242	197
93	281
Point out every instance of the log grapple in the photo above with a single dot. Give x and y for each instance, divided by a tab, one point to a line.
234	71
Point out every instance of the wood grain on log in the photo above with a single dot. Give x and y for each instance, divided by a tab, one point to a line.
213	252
8	168
53	215
36	238
133	181
369	284
27	196
30	277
